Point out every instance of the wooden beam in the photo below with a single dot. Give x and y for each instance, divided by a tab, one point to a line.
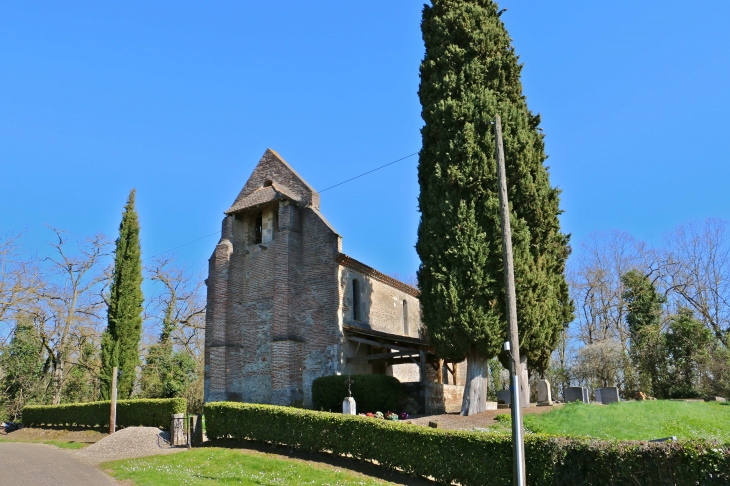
379	344
383	356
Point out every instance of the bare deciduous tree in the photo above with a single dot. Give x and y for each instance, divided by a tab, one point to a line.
70	305
19	281
696	272
596	286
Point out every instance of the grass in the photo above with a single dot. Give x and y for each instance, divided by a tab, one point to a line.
67	445
58	443
211	465
636	420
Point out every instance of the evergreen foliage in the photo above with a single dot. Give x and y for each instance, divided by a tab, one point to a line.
120	341
167	373
643	317
469	74
22	365
688	344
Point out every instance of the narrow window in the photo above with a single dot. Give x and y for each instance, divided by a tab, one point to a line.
406	330
355	300
258	228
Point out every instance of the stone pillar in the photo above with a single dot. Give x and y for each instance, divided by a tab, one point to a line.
287	349
196	430
215	319
177	429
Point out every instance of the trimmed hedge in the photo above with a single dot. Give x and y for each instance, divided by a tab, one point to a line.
372	393
151	412
473	458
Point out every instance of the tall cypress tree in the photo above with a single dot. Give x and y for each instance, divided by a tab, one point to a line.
120	342
469	74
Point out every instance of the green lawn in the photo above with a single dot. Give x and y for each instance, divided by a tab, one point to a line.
66	445
636	420
211	465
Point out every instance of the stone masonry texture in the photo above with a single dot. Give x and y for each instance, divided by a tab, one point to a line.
279	296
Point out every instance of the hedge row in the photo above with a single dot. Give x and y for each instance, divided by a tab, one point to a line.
372	393
473	458
152	412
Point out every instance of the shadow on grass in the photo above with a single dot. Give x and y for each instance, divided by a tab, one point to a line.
360	466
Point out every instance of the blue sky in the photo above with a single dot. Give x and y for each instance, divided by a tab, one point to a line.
180	100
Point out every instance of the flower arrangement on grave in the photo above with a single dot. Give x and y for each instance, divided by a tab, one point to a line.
387	415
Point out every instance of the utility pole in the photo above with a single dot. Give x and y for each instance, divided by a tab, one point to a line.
518	445
113	412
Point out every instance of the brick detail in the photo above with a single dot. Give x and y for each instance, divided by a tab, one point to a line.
276	309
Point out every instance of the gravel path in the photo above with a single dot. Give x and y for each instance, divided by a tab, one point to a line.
45	465
128	443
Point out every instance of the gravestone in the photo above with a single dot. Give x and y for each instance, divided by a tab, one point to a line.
544	395
715	399
576	394
348	406
504	397
609	394
597	391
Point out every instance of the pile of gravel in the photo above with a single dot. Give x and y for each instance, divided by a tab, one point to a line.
127	443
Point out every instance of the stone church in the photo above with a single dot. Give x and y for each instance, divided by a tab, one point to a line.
286	305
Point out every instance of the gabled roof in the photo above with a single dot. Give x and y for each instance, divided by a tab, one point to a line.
360	267
260	196
272	171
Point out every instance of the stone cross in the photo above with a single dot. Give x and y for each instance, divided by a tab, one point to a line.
349	382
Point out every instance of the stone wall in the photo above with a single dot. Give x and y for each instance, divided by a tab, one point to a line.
443	398
276	305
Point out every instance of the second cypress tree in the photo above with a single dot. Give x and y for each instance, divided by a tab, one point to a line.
469	74
120	341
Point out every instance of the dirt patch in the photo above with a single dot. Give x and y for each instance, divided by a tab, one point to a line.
486	419
73	434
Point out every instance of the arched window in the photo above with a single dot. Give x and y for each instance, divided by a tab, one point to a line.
258	228
406	330
355	300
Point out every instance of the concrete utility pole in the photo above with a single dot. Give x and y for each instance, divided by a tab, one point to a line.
113	412
518	445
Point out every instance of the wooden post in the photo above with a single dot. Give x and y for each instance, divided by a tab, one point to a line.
509	283
440	372
113	411
456	373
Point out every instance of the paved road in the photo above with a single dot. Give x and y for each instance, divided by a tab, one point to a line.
23	464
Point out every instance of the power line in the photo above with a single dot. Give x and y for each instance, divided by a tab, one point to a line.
184	244
368	172
320	192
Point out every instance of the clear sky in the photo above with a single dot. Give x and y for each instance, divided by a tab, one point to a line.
181	99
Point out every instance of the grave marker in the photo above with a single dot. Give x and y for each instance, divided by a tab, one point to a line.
544	395
609	394
576	394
